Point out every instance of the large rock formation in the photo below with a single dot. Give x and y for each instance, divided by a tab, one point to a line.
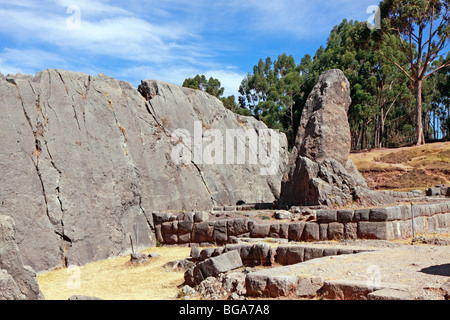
319	170
85	161
17	282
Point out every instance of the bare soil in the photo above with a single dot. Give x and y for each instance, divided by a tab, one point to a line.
405	168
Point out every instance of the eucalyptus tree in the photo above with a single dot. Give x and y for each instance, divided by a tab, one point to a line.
423	33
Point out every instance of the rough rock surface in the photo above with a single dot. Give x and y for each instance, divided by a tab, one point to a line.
17	282
86	160
319	171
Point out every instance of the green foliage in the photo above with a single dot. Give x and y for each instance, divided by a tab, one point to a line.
214	88
422	32
274	93
399	78
382	110
211	86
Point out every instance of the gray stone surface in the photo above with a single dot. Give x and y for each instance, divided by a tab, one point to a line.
281	282
346	290
326	216
17	281
87	159
311	232
335	231
374	230
138	258
344	216
282	215
446	290
319	171
390	294
212	267
308	287
9	290
296	231
180	265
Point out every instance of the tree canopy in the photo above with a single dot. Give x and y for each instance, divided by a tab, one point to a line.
383	110
214	88
399	76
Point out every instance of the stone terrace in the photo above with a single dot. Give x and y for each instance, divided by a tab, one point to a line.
307	224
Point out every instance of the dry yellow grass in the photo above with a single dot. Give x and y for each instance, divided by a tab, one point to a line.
116	279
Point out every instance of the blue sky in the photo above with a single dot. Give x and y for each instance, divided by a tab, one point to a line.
168	40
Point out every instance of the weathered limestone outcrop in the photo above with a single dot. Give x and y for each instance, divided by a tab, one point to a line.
17	282
86	160
319	170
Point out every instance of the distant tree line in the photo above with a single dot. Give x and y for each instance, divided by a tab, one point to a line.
399	77
214	88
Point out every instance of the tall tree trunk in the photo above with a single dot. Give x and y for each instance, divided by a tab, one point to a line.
376	138
359	143
364	137
381	132
420	137
434	124
293	134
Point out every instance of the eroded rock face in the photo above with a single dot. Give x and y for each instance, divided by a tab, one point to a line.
324	132
319	170
86	160
17	282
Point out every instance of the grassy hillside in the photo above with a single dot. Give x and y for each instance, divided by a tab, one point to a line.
405	168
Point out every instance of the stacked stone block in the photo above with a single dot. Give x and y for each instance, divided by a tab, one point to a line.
383	223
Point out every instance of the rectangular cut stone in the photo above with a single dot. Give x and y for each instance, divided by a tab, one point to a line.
288	255
311	232
378	214
361	215
296	231
335	231
203	232
326	216
295	255
351	231
323	232
284	231
374	230
312	253
344	216
260	230
237	226
220	264
220	232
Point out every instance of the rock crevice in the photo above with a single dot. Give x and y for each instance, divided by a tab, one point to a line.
88	158
319	170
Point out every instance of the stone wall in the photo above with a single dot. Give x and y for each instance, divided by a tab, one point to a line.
383	223
213	261
442	190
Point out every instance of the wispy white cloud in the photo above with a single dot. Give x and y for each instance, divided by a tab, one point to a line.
118	34
177	73
168	40
300	19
